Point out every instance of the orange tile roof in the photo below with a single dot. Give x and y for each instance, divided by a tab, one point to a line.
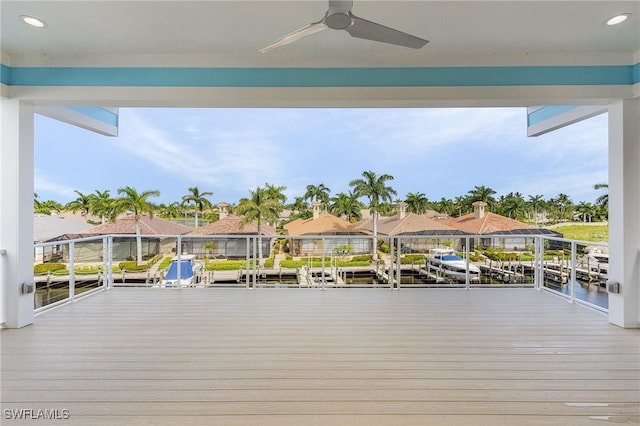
490	222
412	222
231	225
148	226
325	223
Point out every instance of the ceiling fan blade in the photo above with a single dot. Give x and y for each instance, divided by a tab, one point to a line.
361	28
298	34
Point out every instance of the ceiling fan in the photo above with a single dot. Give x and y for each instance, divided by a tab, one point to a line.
339	17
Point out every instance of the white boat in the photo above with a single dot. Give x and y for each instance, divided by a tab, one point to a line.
446	262
188	270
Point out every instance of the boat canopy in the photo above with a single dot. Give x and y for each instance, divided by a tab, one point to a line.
186	270
451	257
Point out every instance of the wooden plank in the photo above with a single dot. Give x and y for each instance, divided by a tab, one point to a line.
307	356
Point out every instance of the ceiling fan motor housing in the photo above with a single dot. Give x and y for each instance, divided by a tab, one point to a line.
338	20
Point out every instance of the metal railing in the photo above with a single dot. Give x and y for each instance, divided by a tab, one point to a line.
70	269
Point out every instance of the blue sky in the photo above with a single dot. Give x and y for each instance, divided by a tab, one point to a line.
439	152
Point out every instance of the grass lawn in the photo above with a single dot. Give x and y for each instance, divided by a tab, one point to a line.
596	233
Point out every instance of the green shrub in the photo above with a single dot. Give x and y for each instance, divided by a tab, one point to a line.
228	265
412	259
45	268
269	263
154	259
500	254
362	258
344	264
318	263
475	257
132	266
88	269
384	248
165	263
526	257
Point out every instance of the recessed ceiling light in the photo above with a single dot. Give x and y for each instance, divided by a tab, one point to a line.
34	22
618	19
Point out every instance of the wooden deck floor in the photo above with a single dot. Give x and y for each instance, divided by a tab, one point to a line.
312	357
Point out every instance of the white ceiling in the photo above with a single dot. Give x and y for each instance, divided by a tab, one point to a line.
222	33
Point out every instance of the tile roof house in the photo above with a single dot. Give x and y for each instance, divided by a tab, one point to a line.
148	226
408	223
231	224
405	223
124	248
323	223
484	223
55	227
229	228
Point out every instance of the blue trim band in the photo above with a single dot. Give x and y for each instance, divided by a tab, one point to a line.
322	77
97	113
547	112
5	74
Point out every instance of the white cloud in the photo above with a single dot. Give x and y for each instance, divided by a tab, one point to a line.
427	150
43	185
239	159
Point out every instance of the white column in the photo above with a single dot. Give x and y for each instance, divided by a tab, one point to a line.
16	213
624	211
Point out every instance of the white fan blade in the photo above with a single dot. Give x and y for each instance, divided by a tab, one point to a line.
298	34
362	28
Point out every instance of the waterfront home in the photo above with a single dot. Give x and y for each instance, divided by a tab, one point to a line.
153	230
485	224
404	223
325	224
226	233
54	228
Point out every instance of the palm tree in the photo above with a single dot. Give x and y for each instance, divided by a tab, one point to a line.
513	205
585	211
417	203
138	204
318	193
300	209
535	201
171	210
483	193
82	203
102	205
45	207
276	192
198	199
375	189
563	203
602	200
460	203
347	206
259	207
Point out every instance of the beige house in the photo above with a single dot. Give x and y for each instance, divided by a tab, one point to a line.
227	236
341	233
407	223
486	224
153	230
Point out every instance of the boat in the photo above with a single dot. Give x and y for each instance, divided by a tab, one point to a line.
188	272
446	262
